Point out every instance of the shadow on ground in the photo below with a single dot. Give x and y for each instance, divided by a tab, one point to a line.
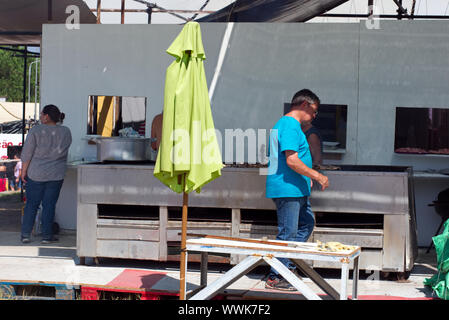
10	211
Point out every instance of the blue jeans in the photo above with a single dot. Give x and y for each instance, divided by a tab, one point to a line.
46	192
295	223
14	184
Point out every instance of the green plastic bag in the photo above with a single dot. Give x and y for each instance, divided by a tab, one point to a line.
440	281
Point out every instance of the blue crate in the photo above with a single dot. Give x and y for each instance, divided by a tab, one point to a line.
12	290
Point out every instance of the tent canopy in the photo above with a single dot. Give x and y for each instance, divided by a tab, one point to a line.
272	11
21	20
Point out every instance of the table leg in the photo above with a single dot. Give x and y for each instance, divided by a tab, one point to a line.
292	278
344	281
228	278
315	277
204	261
355	278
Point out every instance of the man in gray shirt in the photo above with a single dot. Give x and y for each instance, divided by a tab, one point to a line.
44	157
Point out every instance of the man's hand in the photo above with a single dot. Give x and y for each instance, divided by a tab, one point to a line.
323	181
23	172
24	181
298	166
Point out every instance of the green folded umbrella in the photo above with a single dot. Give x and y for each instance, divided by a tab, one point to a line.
188	145
189	156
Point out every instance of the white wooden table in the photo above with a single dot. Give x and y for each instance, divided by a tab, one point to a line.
256	253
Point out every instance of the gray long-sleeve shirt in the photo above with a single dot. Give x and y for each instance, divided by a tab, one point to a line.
47	147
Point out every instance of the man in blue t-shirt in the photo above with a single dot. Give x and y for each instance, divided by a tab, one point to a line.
289	178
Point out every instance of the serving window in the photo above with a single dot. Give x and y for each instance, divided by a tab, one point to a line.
107	115
422	131
331	122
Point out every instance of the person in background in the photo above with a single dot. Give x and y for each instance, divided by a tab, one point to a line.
156	131
18	172
3	178
289	177
44	158
315	142
10	175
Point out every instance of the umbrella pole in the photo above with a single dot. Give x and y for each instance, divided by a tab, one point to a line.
183	267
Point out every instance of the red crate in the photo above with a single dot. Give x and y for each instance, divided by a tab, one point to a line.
131	281
94	293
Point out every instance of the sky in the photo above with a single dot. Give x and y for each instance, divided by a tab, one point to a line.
423	7
142	18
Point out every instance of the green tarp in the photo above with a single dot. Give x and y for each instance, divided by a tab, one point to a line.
440	281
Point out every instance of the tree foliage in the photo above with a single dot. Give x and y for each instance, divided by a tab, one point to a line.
11	76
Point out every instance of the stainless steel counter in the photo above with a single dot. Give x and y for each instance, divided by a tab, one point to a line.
386	192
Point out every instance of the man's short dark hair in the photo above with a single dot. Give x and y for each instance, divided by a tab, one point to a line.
304	95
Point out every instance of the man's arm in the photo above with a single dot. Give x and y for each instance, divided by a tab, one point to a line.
298	166
156	131
23	172
27	153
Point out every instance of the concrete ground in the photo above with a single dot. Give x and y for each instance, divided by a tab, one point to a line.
58	263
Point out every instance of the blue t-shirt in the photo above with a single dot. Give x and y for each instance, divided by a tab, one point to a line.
281	180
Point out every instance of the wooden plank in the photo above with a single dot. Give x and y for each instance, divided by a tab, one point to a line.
243	240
